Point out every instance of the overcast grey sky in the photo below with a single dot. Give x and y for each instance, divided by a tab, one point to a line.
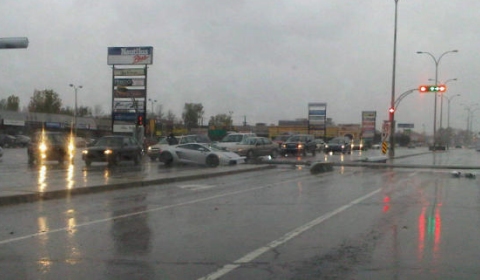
263	59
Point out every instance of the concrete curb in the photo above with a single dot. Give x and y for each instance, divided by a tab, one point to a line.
37	196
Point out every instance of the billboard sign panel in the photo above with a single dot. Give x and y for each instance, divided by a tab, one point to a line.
128	105
130	55
131	93
317	116
368	124
129	82
129	72
406	125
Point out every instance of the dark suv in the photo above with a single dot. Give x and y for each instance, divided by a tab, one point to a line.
48	146
299	144
338	144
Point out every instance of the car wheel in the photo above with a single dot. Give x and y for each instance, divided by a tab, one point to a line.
212	161
274	153
166	158
153	158
250	155
136	159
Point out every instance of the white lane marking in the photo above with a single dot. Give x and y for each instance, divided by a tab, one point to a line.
196	187
6	241
255	254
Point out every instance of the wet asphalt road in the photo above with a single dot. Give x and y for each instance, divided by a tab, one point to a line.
352	223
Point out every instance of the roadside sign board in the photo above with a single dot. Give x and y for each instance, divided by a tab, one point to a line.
384	147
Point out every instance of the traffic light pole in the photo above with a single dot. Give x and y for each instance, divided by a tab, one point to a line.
391	150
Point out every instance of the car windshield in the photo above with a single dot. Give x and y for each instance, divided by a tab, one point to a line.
110	142
232	138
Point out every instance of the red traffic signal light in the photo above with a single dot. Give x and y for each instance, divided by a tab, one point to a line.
140	120
433	88
391	110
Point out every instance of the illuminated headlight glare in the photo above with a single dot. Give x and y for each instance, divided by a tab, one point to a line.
343	146
42	147
85	152
149	148
326	146
108	152
284	146
300	146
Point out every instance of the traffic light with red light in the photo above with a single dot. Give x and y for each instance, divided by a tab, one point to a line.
140	120
391	110
437	88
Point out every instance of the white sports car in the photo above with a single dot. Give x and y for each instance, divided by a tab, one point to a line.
199	153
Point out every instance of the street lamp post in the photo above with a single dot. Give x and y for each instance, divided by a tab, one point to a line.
441	99
152	101
449	133
75	113
470	109
437	62
448	107
391	151
153	115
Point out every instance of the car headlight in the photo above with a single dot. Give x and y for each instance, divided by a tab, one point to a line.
300	146
326	146
85	152
108	152
149	148
42	147
284	146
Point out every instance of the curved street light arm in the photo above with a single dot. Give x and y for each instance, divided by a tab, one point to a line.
402	96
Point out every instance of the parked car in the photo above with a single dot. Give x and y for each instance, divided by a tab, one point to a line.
7	141
22	140
338	144
299	144
233	139
50	146
198	153
113	150
153	151
254	147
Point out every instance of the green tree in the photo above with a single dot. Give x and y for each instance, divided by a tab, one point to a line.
13	103
45	101
192	113
221	121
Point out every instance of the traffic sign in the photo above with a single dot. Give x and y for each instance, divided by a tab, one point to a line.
384	147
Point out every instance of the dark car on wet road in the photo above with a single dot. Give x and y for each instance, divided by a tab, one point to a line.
50	146
338	145
299	144
113	150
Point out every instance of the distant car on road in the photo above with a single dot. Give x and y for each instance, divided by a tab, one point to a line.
153	151
320	144
254	147
280	139
233	138
338	144
199	153
299	144
7	141
113	150
50	146
358	145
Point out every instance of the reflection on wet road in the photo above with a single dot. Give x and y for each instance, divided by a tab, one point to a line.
284	223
